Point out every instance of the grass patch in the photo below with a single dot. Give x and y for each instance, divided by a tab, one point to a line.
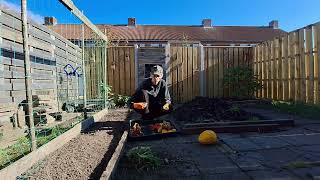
23	146
253	119
300	164
142	158
299	109
1	135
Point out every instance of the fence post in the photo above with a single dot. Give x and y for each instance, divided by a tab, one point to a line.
167	61
29	111
136	49
202	75
84	73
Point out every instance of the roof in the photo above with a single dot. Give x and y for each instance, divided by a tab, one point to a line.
175	33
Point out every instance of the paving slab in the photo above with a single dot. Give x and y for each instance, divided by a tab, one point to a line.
310	152
307	173
278	158
300	140
241	144
269	142
238	175
272	174
248	161
213	164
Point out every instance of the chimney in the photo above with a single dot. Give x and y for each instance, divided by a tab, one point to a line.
50	21
274	24
131	21
206	22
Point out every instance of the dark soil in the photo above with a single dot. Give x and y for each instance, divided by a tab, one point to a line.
210	109
86	156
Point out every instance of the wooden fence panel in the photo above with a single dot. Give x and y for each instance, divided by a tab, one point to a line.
293	66
316	55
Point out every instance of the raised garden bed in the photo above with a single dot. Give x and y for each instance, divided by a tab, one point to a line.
224	115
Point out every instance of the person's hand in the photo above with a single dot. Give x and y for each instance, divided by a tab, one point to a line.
140	105
166	106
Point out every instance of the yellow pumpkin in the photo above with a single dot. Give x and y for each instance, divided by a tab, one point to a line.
208	137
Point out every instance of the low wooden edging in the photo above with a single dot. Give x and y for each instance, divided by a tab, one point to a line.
23	164
112	164
237	127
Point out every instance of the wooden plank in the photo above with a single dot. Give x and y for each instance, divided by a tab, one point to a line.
309	66
132	70
279	69
210	72
255	70
316	55
122	71
230	66
291	66
216	72
297	67
225	66
116	71
206	71
221	71
174	85
112	164
109	66
264	71
178	76
190	73
260	69
185	74
127	70
195	75
275	69
302	65
285	68
269	72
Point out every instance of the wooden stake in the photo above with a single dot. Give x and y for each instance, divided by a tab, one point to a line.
29	111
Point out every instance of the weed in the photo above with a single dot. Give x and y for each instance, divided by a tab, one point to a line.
142	158
300	164
234	109
253	119
298	108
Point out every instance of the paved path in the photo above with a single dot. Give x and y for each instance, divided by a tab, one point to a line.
280	155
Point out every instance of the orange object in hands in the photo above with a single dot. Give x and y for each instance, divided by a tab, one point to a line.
140	105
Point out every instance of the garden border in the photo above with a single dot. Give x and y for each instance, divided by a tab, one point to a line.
26	162
113	162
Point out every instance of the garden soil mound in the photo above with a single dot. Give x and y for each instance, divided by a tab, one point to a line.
202	108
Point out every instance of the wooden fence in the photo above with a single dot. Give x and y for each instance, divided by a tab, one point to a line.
288	66
120	70
49	53
188	76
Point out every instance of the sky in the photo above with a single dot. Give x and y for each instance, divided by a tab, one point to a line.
291	14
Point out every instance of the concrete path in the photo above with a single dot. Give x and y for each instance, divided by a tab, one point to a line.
290	154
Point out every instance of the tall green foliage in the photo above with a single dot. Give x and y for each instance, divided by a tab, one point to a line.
243	80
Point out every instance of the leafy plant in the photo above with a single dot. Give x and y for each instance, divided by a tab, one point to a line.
243	80
298	108
121	100
234	109
104	88
142	158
